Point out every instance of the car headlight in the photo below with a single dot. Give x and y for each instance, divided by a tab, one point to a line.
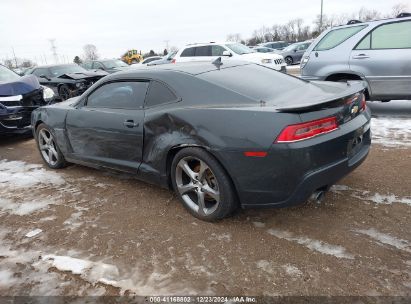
266	61
304	61
80	85
48	94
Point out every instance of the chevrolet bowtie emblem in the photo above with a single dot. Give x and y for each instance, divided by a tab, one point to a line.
354	110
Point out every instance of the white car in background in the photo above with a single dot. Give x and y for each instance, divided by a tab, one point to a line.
229	50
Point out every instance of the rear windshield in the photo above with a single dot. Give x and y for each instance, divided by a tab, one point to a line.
336	37
255	81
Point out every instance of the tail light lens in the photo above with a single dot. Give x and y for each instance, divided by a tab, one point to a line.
307	130
173	61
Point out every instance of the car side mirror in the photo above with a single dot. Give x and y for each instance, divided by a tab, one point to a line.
227	53
295	50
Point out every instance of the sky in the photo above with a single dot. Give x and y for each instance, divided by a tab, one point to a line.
118	25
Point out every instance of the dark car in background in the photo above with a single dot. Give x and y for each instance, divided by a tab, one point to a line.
263	49
276	45
220	140
293	53
19	96
107	65
66	80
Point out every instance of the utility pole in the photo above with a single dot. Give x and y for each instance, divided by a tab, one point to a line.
14	55
321	16
54	50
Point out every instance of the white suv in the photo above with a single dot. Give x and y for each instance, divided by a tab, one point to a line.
230	50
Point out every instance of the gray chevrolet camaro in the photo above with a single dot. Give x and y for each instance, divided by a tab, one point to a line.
221	135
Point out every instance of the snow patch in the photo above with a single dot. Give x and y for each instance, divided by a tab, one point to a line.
19	174
6	278
259	224
377	198
387	239
33	233
391	131
315	245
23	208
292	270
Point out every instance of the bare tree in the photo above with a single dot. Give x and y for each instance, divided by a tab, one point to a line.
398	8
90	52
234	37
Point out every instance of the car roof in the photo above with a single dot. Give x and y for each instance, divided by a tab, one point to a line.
371	22
191	68
53	65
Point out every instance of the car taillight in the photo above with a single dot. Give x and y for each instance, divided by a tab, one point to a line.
307	129
173	61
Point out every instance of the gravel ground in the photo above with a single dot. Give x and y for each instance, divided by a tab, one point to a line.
79	231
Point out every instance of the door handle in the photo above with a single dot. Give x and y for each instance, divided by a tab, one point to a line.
360	56
130	123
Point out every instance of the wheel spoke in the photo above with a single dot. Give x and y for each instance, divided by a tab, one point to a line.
186	168
183	189
44	137
54	152
211	192
50	154
42	147
200	202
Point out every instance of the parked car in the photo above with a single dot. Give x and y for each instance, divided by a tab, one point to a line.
164	60
150	59
377	52
263	49
220	140
231	51
293	53
107	65
19	96
66	80
276	45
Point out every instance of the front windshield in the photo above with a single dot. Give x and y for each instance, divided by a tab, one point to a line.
239	48
109	64
7	75
66	69
172	54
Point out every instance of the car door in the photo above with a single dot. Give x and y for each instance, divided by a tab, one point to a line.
299	51
107	128
383	57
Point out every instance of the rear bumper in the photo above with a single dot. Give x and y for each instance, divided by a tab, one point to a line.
320	179
290	173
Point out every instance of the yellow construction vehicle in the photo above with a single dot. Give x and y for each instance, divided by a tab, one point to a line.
132	56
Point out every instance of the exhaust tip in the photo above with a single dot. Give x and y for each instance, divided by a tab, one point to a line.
318	196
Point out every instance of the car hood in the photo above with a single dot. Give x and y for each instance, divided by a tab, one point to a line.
259	56
83	75
24	85
314	93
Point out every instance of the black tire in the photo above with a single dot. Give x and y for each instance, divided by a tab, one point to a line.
64	92
289	60
57	158
219	181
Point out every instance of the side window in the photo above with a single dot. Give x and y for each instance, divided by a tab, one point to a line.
365	43
392	36
188	52
119	95
87	65
39	72
97	65
336	37
217	50
203	51
159	94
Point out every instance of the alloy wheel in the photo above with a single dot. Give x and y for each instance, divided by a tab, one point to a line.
289	60
48	147
197	185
